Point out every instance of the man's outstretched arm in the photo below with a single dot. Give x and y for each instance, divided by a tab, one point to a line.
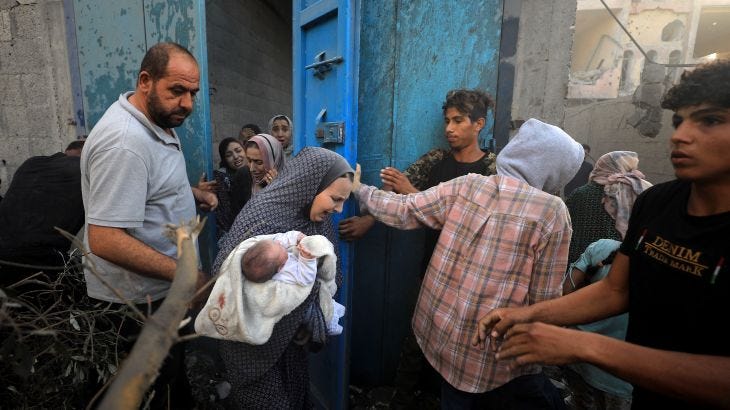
691	377
602	299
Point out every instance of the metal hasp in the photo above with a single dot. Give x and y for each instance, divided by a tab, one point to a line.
322	66
329	132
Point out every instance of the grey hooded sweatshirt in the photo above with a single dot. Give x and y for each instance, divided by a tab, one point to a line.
542	155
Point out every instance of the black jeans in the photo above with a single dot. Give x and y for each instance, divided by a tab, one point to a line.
529	392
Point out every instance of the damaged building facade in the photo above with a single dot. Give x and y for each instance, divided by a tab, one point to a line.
624	60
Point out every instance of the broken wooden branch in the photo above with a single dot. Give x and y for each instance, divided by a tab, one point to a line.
141	367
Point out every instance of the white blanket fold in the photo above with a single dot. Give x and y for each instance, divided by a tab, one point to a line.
244	311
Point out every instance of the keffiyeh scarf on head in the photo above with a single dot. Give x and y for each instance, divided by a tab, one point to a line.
622	182
281	207
272	154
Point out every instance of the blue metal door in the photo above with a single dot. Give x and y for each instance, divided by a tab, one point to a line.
325	111
112	40
411	54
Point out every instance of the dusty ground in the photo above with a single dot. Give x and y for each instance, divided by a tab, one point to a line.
206	376
386	397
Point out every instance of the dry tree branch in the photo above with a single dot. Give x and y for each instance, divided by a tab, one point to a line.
95	272
46	362
25	265
139	370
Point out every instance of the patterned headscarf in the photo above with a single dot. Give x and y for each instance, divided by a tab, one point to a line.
272	154
622	182
282	207
287	150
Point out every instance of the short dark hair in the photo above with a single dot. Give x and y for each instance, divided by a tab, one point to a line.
222	149
78	144
156	59
254	127
707	84
586	147
474	103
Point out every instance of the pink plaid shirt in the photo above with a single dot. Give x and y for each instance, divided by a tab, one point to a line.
503	243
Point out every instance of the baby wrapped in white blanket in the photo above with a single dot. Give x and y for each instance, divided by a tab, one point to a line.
263	279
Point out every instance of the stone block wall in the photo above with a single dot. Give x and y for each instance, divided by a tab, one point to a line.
249	64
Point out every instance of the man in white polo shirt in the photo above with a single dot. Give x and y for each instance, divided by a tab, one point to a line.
134	182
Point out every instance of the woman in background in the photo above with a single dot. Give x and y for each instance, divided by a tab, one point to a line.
232	159
265	158
281	127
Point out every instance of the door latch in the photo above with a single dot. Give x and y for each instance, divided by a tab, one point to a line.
321	65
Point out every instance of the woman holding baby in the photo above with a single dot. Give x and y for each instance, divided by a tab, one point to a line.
313	186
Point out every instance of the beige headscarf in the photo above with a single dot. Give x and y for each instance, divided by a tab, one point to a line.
622	182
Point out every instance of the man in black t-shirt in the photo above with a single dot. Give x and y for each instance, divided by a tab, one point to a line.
672	274
45	193
465	115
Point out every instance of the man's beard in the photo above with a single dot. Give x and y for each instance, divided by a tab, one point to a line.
161	117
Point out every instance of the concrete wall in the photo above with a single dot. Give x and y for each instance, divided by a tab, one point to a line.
250	64
603	125
634	121
542	61
35	87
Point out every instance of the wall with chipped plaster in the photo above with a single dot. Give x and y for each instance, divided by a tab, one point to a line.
634	121
35	95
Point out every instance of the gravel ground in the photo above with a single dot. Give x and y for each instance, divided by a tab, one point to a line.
205	373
